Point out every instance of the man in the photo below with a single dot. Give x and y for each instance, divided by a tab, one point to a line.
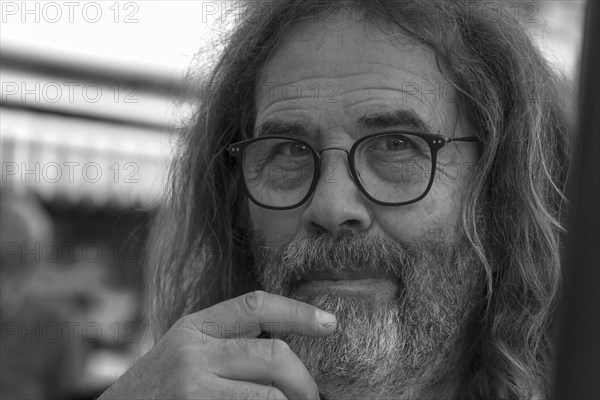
389	176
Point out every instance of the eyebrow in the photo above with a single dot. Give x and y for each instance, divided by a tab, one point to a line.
388	119
270	128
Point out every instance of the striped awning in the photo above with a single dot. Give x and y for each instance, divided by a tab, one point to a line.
82	162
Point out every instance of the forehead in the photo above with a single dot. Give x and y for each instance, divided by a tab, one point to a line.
328	75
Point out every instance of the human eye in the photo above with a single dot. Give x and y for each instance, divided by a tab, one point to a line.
290	149
397	144
280	152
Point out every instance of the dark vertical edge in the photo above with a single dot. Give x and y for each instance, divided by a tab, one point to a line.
577	368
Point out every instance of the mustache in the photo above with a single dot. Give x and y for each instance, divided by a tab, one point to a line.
284	268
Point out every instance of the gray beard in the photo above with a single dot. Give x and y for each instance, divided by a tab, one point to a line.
408	346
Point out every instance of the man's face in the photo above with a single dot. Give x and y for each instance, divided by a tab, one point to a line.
400	287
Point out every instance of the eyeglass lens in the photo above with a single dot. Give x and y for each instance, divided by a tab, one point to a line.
392	168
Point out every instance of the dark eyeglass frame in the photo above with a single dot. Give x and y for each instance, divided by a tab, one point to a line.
435	142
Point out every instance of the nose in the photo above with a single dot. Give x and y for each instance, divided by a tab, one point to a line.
337	204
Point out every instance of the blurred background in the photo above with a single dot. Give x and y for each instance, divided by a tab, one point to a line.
93	95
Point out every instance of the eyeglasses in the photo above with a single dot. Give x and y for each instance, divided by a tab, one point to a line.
392	168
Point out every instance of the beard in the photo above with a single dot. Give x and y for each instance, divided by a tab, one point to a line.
408	343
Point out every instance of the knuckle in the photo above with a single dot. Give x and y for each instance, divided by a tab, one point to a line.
182	322
274	394
296	309
186	322
183	327
279	350
173	339
254	301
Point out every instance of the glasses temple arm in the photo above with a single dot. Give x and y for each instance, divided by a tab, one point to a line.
463	139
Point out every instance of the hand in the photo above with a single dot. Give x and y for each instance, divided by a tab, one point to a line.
216	353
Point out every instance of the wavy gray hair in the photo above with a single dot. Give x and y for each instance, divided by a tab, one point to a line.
199	253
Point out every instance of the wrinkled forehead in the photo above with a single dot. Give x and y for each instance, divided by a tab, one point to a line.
348	28
365	63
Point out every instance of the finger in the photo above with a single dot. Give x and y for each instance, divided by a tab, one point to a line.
267	362
230	389
249	314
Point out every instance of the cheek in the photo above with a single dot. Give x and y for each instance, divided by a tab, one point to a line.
438	212
277	227
442	208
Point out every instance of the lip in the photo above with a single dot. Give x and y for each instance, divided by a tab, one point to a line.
352	275
379	286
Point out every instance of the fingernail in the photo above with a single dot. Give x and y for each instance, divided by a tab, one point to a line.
326	319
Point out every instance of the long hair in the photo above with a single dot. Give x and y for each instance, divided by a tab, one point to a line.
199	251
